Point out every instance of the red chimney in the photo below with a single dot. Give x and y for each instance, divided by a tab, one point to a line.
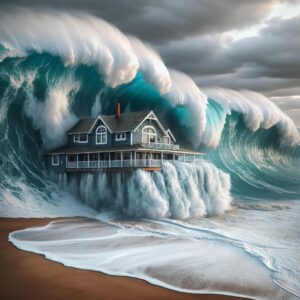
118	110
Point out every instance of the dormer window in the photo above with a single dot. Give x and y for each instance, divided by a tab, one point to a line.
149	134
101	135
80	138
121	136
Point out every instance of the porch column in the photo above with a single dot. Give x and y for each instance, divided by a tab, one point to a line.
130	158
88	162
162	157
173	156
121	159
109	159
135	158
145	160
98	163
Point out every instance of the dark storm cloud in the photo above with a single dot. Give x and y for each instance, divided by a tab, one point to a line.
262	63
161	20
192	36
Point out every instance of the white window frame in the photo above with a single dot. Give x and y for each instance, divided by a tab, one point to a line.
102	134
53	163
76	138
121	136
166	138
149	134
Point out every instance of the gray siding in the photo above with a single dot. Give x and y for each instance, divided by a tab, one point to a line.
59	168
71	141
121	143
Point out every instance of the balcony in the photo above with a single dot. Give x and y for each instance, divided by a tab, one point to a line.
160	146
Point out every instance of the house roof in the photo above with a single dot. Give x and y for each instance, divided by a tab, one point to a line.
126	122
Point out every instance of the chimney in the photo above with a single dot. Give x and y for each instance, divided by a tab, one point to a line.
118	110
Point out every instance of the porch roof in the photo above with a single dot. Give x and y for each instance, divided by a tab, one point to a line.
96	149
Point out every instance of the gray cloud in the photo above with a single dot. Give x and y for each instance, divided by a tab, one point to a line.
269	61
192	36
158	21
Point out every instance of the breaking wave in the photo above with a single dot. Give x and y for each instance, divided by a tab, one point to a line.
50	76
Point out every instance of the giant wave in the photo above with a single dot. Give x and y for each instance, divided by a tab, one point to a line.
50	76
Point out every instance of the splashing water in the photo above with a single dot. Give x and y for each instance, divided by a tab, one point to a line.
50	76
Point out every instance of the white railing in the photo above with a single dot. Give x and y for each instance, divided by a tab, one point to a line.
138	163
161	146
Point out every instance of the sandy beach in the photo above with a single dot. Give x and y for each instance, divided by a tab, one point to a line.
26	275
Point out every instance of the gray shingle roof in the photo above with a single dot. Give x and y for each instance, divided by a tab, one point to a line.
126	122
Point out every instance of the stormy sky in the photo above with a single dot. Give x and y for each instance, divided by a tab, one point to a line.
238	44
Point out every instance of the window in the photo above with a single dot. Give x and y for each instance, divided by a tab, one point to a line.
121	136
101	135
55	160
80	138
166	140
149	134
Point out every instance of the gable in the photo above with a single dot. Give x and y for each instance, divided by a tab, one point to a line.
170	134
98	122
152	117
127	122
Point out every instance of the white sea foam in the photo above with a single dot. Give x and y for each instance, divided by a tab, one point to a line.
53	117
196	256
84	39
180	191
258	112
27	202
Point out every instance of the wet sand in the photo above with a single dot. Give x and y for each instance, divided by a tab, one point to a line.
25	275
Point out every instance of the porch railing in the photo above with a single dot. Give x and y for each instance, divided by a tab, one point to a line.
102	164
160	146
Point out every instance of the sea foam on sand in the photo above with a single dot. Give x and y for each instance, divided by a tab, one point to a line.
163	253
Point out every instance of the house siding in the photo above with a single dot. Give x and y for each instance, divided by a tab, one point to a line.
121	143
71	141
57	168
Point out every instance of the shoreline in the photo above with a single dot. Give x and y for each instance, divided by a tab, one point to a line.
25	275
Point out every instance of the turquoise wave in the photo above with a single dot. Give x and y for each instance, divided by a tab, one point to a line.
259	165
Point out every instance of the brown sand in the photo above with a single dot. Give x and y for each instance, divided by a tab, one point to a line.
25	275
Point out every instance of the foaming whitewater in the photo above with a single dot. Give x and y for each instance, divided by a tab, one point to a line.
180	191
239	208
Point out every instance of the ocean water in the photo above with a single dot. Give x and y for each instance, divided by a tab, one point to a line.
226	224
250	251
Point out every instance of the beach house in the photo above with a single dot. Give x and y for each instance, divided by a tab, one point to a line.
118	142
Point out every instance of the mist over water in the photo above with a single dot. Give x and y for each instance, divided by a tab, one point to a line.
50	76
